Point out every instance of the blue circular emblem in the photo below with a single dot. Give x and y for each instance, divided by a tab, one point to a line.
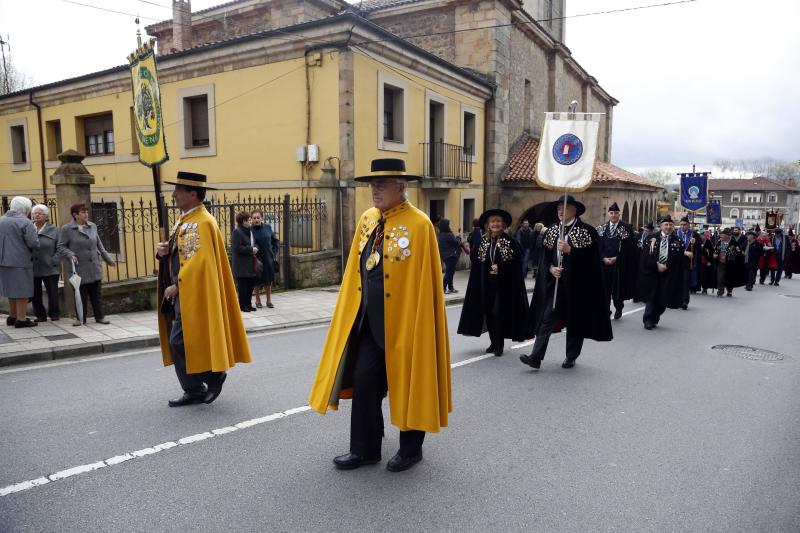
567	149
694	192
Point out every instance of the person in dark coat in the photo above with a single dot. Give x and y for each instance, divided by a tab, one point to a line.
726	256
573	266
526	237
536	252
268	245
449	251
46	265
641	241
243	253
735	271
86	252
779	247
475	234
692	261
617	250
709	277
792	265
753	250
18	246
496	299
662	273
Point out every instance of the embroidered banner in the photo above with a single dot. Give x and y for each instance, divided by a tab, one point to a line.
713	212
147	111
694	190
567	154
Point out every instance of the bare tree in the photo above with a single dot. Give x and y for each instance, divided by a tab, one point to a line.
11	78
783	171
661	176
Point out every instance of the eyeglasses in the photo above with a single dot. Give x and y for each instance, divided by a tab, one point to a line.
381	185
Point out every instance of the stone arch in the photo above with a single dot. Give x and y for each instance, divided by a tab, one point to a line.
634	221
626	211
641	213
538	213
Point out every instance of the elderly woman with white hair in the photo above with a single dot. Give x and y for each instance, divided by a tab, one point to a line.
18	245
46	265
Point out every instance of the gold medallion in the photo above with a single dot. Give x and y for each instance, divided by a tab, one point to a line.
373	260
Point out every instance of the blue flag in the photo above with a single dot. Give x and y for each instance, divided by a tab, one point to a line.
714	212
694	190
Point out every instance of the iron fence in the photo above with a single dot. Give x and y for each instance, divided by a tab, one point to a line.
447	161
129	228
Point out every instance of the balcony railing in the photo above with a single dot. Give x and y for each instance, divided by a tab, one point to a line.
447	161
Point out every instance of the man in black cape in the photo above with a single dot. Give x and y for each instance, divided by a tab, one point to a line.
661	276
753	251
496	300
691	261
580	301
730	267
618	252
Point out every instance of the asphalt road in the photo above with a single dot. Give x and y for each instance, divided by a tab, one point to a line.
654	431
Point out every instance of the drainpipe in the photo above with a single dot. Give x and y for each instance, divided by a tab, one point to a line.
41	144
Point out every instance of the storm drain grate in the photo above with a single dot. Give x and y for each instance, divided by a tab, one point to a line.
750	353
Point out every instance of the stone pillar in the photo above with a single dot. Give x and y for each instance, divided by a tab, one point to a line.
181	24
73	186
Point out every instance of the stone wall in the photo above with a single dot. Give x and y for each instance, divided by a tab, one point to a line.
317	269
427	23
528	61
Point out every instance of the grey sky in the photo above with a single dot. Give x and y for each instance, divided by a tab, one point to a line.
696	82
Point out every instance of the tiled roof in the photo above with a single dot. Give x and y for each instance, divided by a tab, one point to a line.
752	184
521	167
374	5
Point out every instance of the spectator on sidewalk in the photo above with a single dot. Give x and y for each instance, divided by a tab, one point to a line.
268	245
536	251
195	288
244	254
450	251
81	244
475	234
18	245
526	237
46	265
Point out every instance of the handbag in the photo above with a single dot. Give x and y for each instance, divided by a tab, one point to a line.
258	266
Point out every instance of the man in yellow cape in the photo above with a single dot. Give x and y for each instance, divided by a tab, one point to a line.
389	329
199	323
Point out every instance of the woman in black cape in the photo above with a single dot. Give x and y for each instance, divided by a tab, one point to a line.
496	299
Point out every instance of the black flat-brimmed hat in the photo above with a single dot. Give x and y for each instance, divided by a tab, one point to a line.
191	179
484	218
552	207
665	218
649	225
686	219
387	168
613	208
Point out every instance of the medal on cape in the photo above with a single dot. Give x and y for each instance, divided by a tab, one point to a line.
377	245
373	260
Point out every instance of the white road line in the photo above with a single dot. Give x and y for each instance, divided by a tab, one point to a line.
185	441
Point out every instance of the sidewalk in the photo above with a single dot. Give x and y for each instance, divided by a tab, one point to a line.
58	340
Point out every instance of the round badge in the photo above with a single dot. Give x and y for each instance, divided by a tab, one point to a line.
406	253
567	149
402	242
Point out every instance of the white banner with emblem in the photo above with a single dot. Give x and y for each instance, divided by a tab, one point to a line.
567	153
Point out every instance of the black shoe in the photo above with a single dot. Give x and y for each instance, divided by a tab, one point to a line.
252	309
748	288
777	284
618	314
772	283
532	362
40	319
186	399
349	461
490	349
648	326
215	389
498	350
760	282
398	463
568	363
259	305
27	323
730	294
684	307
10	321
453	291
269	305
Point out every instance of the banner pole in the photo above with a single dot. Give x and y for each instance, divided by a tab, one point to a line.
161	208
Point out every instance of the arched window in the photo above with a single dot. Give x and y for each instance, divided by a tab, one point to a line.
735	212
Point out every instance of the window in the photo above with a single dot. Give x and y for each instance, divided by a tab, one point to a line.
735	197
528	111
467	215
196	113
734	213
98	134
752	198
104	214
53	134
392	113
469	133
752	214
772	198
18	145
196	110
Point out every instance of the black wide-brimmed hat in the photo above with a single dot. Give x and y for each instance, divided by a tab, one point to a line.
665	218
685	219
191	179
649	225
387	168
552	207
613	207
484	218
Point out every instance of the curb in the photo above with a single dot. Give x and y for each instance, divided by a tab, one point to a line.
120	345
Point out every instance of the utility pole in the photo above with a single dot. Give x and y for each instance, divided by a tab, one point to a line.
3	44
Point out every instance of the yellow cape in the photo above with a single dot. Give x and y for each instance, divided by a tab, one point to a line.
213	330
415	325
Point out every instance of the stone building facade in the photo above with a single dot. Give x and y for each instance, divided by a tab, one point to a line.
749	200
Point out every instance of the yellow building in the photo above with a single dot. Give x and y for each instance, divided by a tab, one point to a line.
269	113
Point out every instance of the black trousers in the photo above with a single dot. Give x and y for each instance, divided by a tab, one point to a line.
775	275
752	270
51	286
491	310
369	389
244	291
686	286
191	383
653	310
549	318
91	291
609	275
763	273
449	271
